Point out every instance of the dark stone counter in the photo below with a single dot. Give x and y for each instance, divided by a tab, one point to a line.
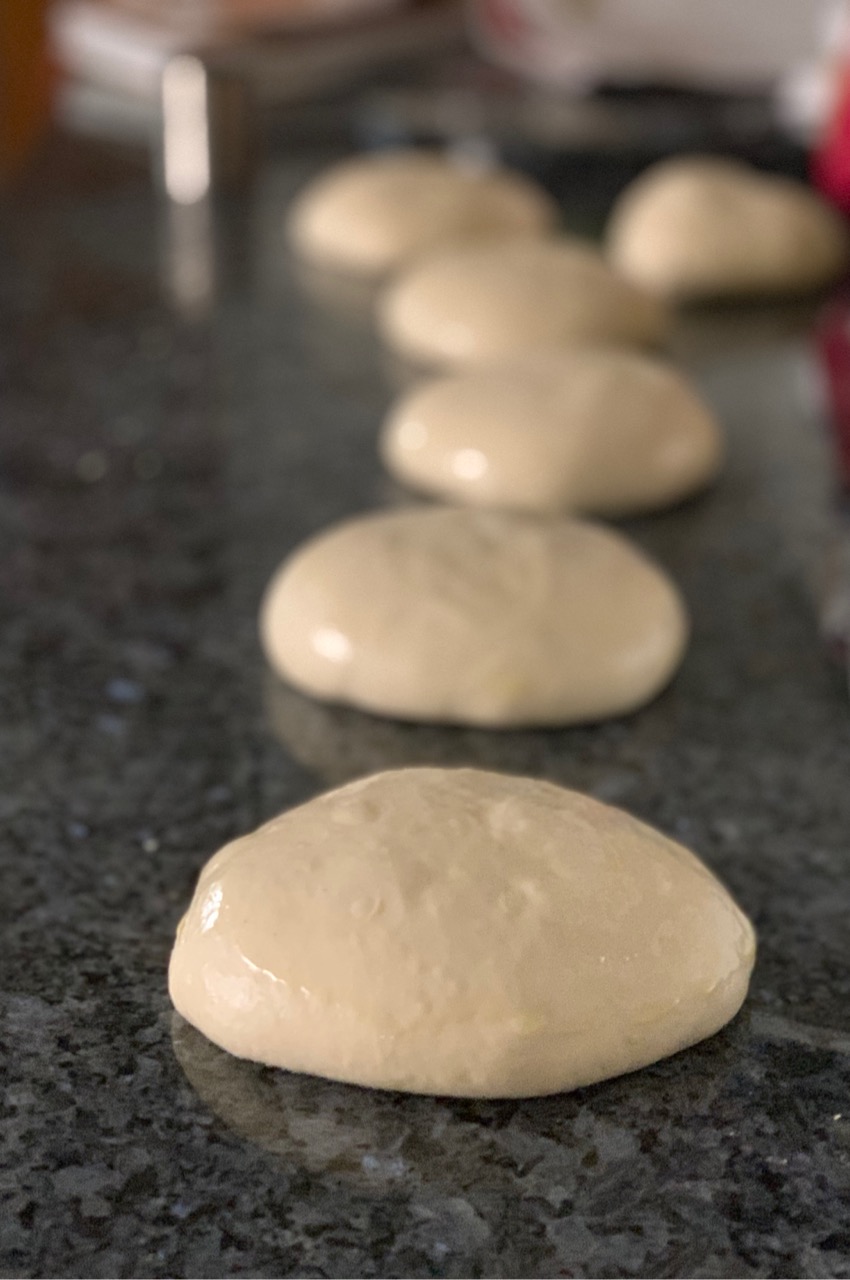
153	471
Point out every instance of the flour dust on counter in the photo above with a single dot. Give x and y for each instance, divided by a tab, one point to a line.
455	931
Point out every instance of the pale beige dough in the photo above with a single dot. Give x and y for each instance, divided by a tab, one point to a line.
473	305
600	432
474	618
459	932
703	226
373	213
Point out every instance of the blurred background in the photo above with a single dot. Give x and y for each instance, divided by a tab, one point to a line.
544	80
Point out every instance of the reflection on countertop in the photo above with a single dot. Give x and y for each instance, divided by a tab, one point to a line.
337	743
516	1187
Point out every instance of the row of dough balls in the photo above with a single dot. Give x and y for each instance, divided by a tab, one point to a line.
690	227
503	619
392	612
458	931
540	422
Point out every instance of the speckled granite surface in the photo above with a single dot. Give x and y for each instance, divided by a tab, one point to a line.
152	473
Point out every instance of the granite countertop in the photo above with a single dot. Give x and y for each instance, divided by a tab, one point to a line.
153	471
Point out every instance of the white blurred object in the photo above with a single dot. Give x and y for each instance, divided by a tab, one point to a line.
804	98
114	54
125	44
737	45
805	95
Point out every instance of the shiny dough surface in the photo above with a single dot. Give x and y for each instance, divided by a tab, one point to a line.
474	617
370	214
705	226
594	431
459	932
472	305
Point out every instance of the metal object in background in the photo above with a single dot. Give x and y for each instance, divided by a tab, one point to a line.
215	103
118	96
207	132
207	145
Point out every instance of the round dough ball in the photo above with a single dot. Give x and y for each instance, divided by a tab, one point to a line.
459	932
472	305
698	227
474	618
371	214
602	432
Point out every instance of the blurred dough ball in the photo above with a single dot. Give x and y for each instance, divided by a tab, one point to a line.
594	431
472	305
373	213
473	617
698	227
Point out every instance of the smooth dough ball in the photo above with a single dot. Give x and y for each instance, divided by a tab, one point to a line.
706	227
473	305
474	618
453	931
602	432
371	214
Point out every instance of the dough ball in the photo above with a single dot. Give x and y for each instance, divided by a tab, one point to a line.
471	305
459	932
602	432
701	227
371	214
474	618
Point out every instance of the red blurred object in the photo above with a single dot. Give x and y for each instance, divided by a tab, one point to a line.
830	164
831	579
833	338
